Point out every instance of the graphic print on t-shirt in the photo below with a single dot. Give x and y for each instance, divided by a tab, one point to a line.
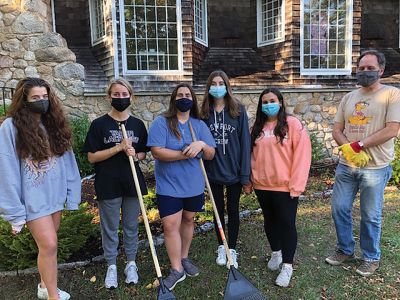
36	170
359	118
116	136
220	133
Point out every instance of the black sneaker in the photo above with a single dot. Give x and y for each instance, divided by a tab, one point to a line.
189	267
173	278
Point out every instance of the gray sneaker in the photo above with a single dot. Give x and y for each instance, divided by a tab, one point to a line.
173	278
190	268
367	268
338	258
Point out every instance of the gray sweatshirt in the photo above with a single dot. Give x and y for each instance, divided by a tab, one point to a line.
30	190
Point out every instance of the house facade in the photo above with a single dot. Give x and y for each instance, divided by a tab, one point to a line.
308	48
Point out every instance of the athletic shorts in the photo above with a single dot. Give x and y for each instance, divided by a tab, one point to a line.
168	205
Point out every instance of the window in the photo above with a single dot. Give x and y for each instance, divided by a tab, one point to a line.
325	37
97	23
150	32
270	21
200	21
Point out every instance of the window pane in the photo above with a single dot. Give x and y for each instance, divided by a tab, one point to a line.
171	13
173	62
341	61
173	46
131	60
151	35
324	34
271	20
151	30
161	14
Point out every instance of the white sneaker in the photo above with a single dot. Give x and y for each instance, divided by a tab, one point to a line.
111	281
221	258
42	293
275	261
284	276
131	273
234	259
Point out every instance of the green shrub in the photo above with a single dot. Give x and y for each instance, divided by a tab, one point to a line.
318	148
396	164
80	127
20	251
2	110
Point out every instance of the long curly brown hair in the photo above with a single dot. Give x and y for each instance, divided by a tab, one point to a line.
39	138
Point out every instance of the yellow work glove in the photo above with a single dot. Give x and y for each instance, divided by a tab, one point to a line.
354	155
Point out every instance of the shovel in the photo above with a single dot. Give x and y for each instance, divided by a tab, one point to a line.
237	286
163	292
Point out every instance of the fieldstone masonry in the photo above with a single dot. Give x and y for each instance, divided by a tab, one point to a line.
315	109
29	48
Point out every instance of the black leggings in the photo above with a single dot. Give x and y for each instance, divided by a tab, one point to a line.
232	206
279	212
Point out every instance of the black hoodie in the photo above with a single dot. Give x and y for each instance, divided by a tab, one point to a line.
231	163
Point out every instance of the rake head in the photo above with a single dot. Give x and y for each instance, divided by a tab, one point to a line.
164	293
239	288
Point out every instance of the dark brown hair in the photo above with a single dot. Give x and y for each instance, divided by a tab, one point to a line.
380	57
172	111
281	127
231	102
32	139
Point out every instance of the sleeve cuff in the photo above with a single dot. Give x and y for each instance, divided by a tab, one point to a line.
244	179
72	206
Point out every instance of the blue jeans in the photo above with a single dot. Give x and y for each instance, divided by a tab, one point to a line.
371	184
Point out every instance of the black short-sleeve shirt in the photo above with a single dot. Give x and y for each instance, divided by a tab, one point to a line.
114	176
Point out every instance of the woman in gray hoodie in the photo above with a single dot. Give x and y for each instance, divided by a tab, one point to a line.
227	120
39	174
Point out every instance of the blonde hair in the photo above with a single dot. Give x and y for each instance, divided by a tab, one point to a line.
121	81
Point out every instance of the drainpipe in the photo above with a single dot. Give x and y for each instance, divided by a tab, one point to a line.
53	15
115	37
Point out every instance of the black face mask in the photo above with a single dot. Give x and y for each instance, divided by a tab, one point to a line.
367	78
40	106
120	104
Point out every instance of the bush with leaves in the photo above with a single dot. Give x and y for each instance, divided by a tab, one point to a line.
20	251
80	127
318	148
396	164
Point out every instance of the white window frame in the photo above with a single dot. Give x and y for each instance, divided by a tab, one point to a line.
125	70
349	44
93	23
204	40
260	41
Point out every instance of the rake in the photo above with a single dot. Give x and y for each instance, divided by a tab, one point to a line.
237	286
163	292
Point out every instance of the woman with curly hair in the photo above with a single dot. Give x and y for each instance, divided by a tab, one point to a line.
39	174
280	162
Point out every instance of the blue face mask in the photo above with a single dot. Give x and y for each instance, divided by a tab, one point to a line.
270	109
217	91
183	104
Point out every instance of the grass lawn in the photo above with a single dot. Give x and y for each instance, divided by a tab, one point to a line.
313	279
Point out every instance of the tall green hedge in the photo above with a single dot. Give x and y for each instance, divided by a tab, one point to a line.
80	127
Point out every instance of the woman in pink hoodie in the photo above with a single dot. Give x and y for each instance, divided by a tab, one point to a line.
280	162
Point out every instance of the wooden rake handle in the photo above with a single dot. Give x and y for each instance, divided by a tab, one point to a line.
143	209
220	229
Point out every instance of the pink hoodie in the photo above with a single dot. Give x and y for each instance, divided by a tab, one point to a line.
277	167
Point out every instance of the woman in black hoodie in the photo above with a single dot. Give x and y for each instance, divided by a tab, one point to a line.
227	120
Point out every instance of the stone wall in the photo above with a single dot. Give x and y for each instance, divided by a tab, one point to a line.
29	48
316	109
